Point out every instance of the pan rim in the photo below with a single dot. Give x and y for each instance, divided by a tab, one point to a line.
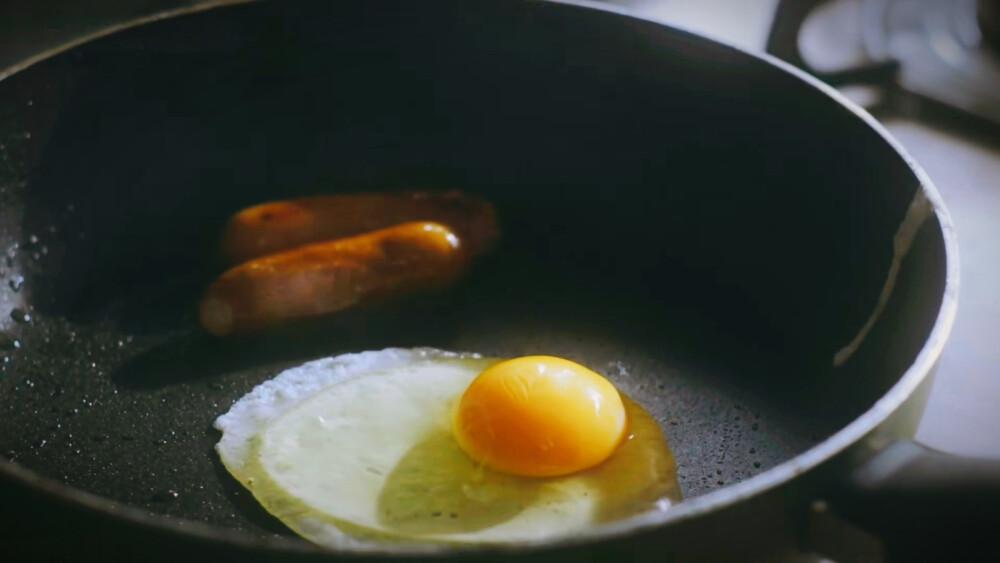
779	475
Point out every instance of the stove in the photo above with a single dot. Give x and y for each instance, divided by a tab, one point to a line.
929	70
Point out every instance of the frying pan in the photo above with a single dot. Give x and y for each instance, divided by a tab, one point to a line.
706	227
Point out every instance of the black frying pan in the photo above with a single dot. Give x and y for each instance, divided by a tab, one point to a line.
706	227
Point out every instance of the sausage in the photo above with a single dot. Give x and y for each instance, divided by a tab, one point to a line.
280	225
320	278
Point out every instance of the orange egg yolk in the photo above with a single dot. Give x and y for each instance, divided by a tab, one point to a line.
539	416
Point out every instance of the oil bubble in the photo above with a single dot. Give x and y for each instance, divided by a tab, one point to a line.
20	315
165	496
7	342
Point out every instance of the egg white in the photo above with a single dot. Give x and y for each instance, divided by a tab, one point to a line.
358	448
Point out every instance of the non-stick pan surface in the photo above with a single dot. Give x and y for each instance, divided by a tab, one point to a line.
700	226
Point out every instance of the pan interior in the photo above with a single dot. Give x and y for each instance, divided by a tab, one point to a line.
138	408
700	227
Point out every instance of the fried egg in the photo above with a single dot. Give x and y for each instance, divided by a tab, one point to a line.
424	445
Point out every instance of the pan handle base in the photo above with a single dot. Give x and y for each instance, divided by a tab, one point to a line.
922	503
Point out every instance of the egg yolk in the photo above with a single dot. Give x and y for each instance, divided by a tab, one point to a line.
539	416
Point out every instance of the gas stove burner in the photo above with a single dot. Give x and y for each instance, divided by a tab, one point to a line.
939	45
940	55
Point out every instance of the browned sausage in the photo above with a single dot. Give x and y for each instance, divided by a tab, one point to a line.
272	227
325	277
